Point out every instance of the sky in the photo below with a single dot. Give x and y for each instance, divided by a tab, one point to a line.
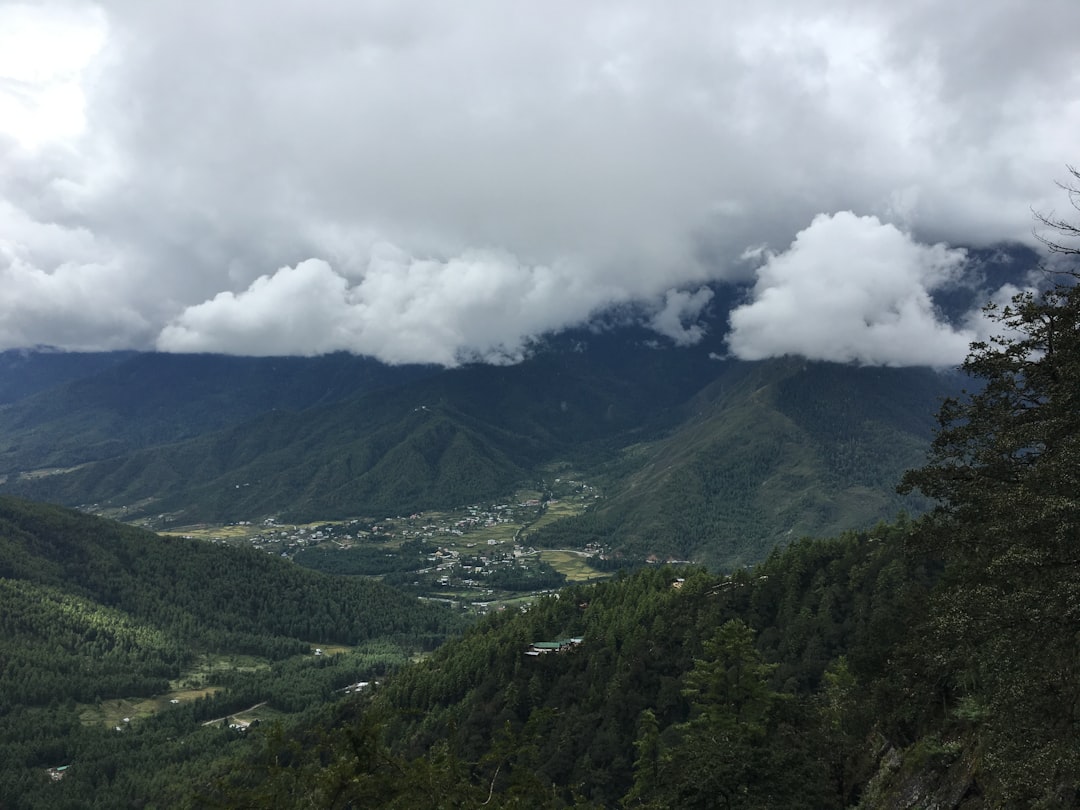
446	182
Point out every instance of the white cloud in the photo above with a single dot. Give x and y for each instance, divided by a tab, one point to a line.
43	53
62	287
480	305
852	289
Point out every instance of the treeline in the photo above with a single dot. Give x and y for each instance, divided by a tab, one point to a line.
212	597
366	560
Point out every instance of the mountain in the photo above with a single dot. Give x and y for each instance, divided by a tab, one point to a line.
777	687
767	453
68	409
699	458
24	372
199	595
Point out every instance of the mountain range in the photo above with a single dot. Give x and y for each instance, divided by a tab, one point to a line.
698	456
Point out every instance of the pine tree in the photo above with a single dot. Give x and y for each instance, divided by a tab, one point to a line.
1005	471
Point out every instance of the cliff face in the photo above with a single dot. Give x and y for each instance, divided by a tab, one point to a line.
930	775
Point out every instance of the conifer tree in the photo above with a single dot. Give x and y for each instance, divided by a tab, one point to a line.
1005	471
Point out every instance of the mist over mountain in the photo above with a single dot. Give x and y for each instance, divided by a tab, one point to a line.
699	455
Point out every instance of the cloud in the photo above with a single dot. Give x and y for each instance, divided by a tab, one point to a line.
480	305
212	147
852	289
43	51
62	287
680	311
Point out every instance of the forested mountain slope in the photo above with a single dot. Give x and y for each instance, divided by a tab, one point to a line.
768	452
699	458
24	372
67	409
96	615
91	597
779	687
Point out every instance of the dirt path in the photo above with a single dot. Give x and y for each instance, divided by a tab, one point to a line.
227	716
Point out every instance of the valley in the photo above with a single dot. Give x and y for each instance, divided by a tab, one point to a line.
477	558
699	458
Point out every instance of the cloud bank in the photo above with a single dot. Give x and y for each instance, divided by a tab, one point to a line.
432	181
478	306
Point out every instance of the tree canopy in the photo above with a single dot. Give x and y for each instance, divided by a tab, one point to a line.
1005	469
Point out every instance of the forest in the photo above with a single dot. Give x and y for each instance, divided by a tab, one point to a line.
95	614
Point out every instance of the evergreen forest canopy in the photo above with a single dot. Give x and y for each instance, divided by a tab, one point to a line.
92	612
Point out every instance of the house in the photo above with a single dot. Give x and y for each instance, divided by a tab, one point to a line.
561	645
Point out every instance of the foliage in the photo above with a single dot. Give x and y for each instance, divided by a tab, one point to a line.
91	610
1005	469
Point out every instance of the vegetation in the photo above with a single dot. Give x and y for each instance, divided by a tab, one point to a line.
67	409
773	452
699	459
93	611
1005	468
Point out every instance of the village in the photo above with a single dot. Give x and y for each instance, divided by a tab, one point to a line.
476	557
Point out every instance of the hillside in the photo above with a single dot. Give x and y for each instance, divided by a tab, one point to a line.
169	598
775	687
105	625
68	409
767	453
24	372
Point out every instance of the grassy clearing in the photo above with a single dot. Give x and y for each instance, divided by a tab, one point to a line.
558	511
574	566
205	531
112	713
263	714
209	667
